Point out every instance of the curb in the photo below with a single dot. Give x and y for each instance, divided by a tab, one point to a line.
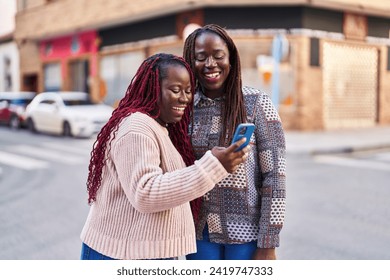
350	149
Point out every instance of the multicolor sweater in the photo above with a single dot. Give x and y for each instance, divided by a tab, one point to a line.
249	204
142	210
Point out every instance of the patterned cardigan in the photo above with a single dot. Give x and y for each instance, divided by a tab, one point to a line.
249	204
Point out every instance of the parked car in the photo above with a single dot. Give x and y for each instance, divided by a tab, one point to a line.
67	113
13	106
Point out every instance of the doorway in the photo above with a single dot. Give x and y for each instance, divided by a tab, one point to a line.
30	82
78	74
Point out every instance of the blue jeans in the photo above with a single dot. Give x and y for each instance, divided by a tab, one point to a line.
87	253
207	250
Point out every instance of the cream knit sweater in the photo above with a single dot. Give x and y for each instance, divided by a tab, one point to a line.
142	210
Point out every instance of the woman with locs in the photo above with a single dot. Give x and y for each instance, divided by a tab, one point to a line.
241	218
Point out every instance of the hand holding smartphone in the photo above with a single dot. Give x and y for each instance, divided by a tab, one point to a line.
243	130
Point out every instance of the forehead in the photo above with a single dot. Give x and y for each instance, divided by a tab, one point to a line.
174	72
209	40
165	67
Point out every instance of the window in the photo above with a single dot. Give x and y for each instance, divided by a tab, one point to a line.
52	77
117	72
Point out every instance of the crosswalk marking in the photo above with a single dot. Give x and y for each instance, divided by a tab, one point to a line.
22	162
383	157
43	153
76	150
368	164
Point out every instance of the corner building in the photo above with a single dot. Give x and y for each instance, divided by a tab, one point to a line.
325	63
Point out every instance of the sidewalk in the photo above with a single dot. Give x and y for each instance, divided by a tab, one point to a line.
337	141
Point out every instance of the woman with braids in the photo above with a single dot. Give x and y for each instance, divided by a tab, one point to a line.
241	217
138	182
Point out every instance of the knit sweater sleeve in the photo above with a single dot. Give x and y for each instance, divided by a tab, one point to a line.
148	187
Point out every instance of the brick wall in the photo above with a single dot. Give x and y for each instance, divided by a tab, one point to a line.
29	57
67	16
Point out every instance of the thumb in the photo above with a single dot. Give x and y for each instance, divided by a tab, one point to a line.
233	147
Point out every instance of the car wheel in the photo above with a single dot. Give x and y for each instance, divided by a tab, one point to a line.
31	125
14	122
67	132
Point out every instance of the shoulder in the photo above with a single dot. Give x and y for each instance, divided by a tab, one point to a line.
255	95
139	123
141	118
256	99
247	91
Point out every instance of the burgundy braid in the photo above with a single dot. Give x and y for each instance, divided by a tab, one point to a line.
142	95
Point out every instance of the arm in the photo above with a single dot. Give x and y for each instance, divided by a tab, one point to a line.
271	153
149	188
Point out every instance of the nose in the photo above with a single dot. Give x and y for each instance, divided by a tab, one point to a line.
210	62
184	97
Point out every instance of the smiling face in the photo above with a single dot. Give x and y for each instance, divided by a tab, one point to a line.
212	64
175	94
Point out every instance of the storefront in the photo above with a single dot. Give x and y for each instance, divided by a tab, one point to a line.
70	63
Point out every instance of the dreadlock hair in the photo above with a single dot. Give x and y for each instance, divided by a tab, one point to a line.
234	111
142	95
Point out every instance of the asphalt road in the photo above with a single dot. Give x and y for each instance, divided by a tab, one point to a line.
42	195
337	205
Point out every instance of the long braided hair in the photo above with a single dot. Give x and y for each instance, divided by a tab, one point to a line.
234	111
142	95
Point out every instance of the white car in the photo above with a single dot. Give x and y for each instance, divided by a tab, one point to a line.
67	113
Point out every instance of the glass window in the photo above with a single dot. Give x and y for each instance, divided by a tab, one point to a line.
117	72
52	77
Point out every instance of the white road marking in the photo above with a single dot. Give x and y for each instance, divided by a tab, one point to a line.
383	157
76	150
368	164
22	161
47	154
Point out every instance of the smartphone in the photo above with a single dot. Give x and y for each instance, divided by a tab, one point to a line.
243	130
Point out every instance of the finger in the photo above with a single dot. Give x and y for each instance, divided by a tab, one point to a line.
246	149
236	145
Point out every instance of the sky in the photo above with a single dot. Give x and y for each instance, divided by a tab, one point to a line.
7	13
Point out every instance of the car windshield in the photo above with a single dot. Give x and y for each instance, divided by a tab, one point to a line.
76	102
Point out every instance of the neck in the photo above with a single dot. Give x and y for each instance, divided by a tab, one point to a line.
162	123
213	93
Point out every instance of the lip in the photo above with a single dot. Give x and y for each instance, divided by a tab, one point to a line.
212	76
179	110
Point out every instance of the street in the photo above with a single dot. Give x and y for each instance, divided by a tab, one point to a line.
337	208
43	200
337	205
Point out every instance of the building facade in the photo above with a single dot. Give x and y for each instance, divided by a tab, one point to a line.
9	64
326	64
9	55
